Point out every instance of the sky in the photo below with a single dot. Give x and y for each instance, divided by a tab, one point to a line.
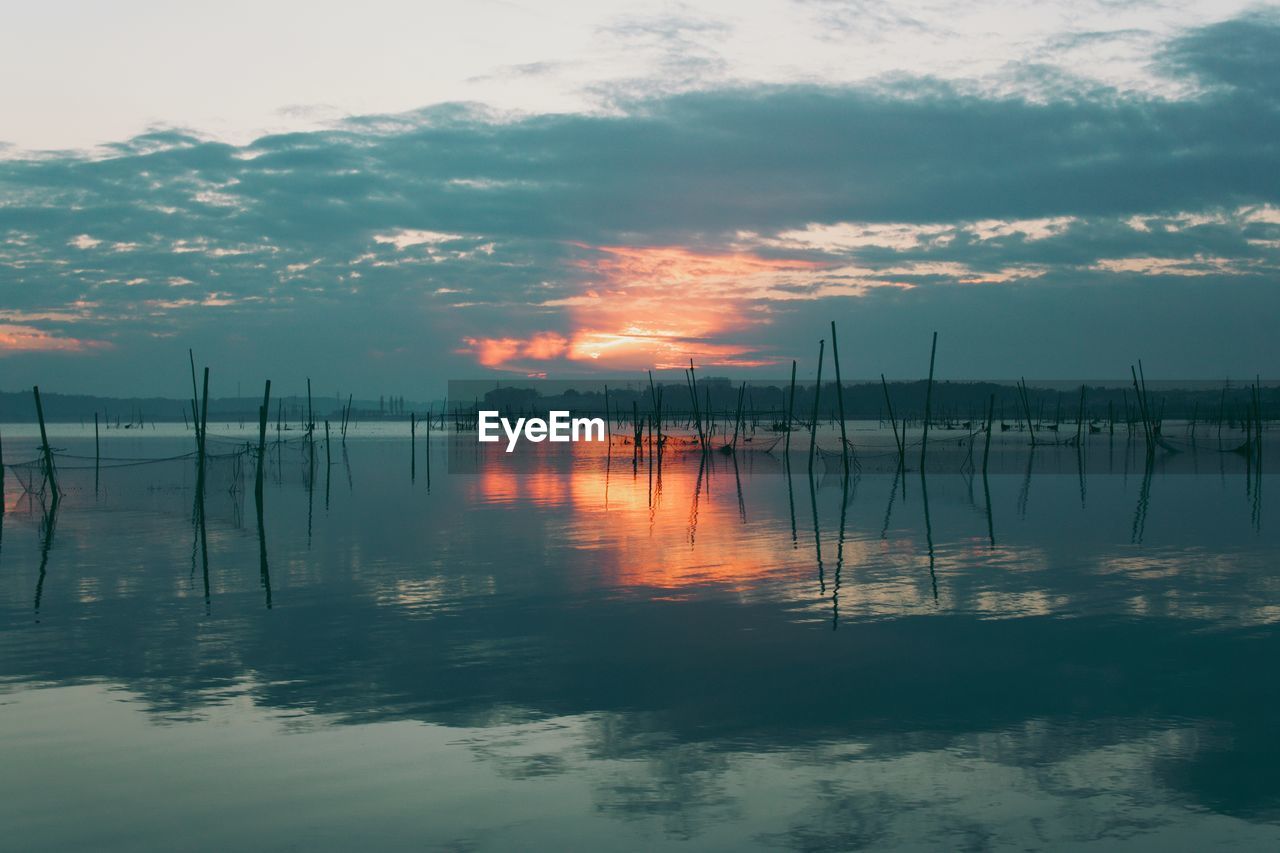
387	195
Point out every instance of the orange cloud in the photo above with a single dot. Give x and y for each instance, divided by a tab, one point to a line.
545	346
654	306
497	352
15	338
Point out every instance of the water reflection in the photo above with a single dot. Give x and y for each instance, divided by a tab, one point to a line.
640	656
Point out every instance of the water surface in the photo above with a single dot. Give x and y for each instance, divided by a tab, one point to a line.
576	651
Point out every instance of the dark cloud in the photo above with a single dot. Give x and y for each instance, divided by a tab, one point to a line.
1239	55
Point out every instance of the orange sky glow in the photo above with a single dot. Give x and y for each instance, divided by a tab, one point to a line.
18	338
652	307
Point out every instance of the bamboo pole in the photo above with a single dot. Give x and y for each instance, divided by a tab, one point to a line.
195	397
1142	407
835	357
986	450
262	438
657	409
1026	408
709	415
928	401
649	461
1142	377
1257	411
791	408
636	429
44	444
697	412
737	418
817	387
986	484
202	431
657	427
900	443
608	418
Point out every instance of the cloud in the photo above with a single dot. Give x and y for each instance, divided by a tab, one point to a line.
872	19
17	338
520	70
701	221
1238	56
404	238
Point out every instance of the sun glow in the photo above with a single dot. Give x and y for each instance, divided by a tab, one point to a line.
655	306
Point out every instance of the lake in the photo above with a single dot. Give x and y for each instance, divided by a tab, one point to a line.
572	650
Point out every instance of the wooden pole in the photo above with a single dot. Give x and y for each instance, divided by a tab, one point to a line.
928	402
262	437
204	416
737	418
986	451
708	413
195	398
1257	413
657	425
835	357
899	442
649	460
635	431
201	432
1142	406
657	409
986	455
697	408
697	413
608	418
1026	407
817	388
413	445
791	408
328	457
44	443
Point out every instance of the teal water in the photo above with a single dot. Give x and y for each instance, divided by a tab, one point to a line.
563	651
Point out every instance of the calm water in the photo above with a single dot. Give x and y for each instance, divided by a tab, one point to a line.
560	651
